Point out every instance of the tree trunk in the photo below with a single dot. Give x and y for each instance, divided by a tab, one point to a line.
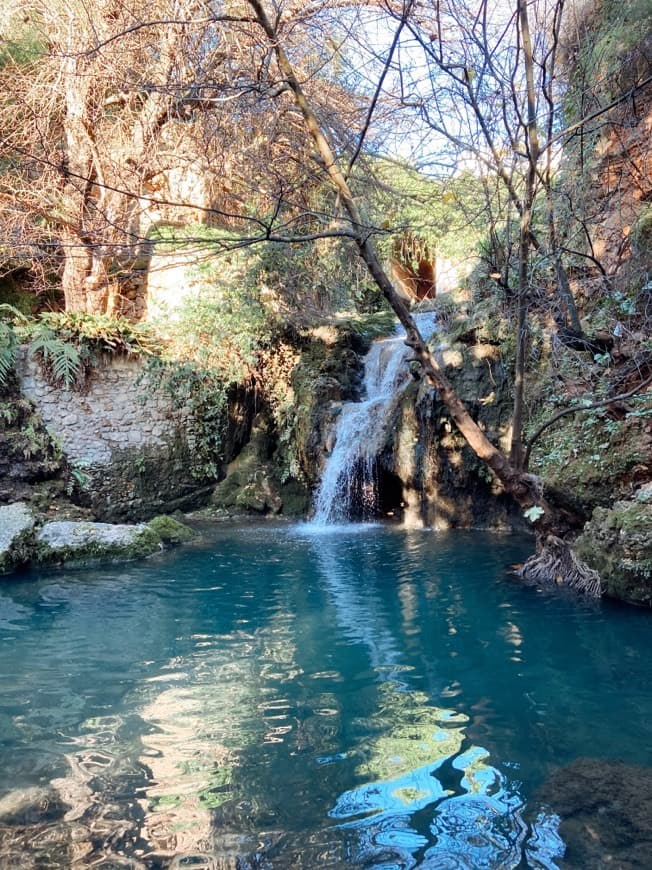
76	268
106	236
524	488
78	256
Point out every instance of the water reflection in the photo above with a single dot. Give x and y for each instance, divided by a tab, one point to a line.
420	766
281	700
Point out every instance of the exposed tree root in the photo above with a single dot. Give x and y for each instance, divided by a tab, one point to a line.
556	563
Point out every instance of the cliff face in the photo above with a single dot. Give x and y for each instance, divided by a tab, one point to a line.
607	60
442	483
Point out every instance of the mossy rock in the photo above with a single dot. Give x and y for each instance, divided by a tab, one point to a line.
78	544
170	531
617	543
295	498
16	536
328	371
590	461
250	485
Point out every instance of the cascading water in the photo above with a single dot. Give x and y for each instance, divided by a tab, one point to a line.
349	481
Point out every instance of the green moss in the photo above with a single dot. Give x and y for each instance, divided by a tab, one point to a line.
611	53
19	554
325	369
372	326
589	460
92	552
642	233
171	531
618	545
295	498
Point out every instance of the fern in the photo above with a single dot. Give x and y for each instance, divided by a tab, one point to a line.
68	344
8	343
66	364
13	312
103	333
61	358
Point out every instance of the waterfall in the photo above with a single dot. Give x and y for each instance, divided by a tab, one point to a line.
349	479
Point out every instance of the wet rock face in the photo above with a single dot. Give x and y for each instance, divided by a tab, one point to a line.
329	372
27	453
249	485
617	543
605	809
444	485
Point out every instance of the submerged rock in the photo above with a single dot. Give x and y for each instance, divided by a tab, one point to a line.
617	543
605	809
16	535
30	805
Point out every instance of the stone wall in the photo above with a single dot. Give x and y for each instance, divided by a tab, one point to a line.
128	445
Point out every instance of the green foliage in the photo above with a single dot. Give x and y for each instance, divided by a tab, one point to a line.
642	234
227	318
22	48
68	344
203	395
13	292
8	344
616	33
60	359
102	333
590	457
36	441
533	513
447	214
372	326
9	414
77	479
308	282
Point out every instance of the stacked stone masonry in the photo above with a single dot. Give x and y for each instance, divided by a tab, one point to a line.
127	439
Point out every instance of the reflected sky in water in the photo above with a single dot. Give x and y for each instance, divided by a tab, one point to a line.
371	698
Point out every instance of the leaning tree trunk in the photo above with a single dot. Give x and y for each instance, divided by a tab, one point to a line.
525	488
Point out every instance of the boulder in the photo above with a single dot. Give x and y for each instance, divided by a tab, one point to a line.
605	812
16	536
82	543
617	543
171	531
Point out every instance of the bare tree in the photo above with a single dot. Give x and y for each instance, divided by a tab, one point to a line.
188	62
477	88
127	118
524	488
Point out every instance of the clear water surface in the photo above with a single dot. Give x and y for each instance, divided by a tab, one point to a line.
276	697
